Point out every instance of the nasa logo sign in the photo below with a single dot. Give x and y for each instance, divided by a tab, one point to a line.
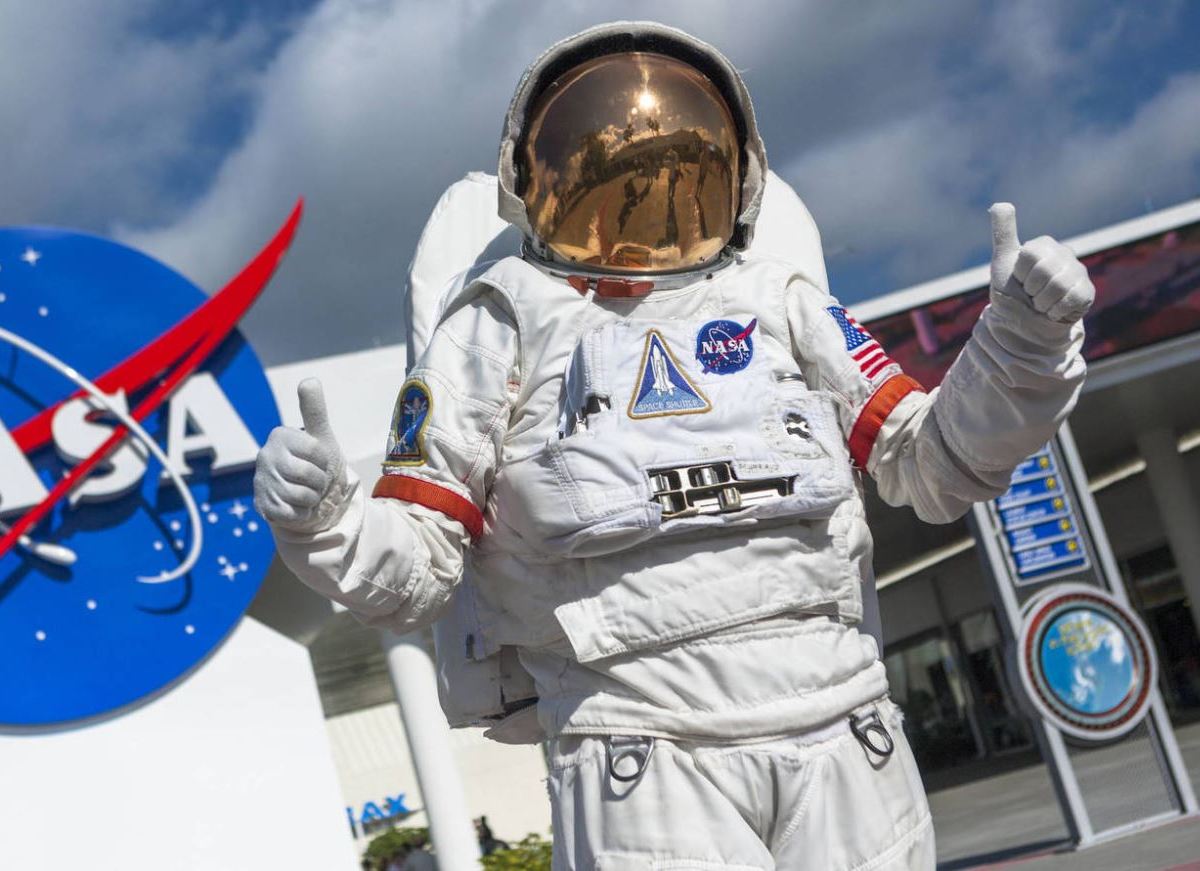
131	412
1086	662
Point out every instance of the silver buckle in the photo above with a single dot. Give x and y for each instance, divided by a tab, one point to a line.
711	488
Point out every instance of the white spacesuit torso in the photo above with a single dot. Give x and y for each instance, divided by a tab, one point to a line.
707	489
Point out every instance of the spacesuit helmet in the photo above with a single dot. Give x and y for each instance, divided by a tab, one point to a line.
631	148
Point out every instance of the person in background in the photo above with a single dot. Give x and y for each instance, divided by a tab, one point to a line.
488	843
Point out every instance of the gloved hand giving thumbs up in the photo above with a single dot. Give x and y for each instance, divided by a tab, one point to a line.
1042	272
297	469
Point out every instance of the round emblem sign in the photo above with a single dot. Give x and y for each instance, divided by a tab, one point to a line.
129	551
1086	661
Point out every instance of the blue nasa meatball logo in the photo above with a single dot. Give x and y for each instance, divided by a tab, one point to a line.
130	416
724	347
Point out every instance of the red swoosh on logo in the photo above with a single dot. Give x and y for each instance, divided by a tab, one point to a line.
747	331
184	346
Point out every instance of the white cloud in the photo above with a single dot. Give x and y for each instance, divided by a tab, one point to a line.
898	123
912	191
1095	173
900	190
100	114
368	112
373	108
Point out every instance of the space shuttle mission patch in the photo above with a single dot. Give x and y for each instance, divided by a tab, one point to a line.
725	347
662	388
406	437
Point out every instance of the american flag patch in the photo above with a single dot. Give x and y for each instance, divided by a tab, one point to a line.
862	346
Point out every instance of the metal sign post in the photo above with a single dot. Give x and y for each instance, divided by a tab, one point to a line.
1042	537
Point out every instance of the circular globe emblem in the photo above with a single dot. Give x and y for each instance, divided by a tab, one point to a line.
134	574
1086	662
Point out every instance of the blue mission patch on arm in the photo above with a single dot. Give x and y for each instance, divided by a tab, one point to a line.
406	439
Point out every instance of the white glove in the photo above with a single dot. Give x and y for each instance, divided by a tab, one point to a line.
1043	271
298	469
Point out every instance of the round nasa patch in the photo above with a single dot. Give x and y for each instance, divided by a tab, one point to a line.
725	347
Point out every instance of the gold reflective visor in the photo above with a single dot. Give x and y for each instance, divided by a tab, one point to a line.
631	165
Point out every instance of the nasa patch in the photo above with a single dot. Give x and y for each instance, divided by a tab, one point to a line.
662	388
724	347
406	439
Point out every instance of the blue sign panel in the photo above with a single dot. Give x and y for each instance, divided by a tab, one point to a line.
1034	512
1029	490
116	586
1061	555
1037	466
1041	533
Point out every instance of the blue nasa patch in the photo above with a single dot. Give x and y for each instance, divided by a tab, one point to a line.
725	347
406	439
663	388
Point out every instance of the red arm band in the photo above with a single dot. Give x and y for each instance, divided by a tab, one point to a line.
875	412
431	496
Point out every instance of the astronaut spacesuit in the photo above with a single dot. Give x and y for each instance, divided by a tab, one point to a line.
623	471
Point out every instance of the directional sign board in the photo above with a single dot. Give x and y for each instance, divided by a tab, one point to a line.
1042	538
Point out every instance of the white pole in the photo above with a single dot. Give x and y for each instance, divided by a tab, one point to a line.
415	682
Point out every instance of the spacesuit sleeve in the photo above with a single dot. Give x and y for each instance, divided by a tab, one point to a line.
394	557
1006	394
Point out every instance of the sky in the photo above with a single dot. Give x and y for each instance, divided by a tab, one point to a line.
188	128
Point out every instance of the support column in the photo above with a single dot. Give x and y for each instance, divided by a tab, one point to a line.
428	734
1178	507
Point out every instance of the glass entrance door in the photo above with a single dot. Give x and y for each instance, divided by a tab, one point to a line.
1001	722
926	684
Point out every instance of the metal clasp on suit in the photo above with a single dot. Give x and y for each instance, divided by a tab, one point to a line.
711	488
868	728
618	748
592	406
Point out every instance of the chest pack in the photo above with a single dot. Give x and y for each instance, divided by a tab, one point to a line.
677	425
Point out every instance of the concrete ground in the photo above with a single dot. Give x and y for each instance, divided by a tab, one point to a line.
1012	820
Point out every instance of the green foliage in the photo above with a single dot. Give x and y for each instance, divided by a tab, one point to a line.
531	853
385	846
